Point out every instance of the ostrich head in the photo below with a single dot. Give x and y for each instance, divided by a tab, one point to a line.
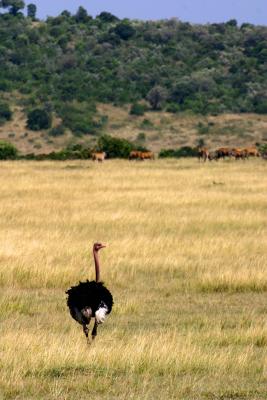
98	246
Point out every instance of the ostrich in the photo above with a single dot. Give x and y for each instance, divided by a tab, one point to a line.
90	299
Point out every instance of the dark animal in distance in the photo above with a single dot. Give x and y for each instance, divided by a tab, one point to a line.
203	154
135	155
223	152
213	156
90	299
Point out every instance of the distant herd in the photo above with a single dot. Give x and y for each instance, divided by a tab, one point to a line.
134	155
223	152
203	154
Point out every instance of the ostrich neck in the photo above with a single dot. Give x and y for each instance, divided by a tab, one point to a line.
97	266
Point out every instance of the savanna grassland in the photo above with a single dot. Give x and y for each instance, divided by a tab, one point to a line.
186	263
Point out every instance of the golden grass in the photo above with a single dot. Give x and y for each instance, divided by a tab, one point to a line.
185	263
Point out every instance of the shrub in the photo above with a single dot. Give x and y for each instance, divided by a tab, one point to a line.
5	112
57	131
7	151
141	137
262	148
146	124
261	107
39	119
173	108
115	147
202	128
137	109
79	118
5	85
156	96
124	30
185	151
107	17
72	152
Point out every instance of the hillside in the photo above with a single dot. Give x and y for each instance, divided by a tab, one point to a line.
82	76
164	130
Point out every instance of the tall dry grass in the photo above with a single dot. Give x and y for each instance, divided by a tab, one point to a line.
185	263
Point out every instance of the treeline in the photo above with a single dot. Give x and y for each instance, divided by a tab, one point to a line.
67	64
113	147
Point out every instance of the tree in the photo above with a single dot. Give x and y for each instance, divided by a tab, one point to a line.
107	17
156	96
81	15
31	11
137	109
232	22
13	5
115	147
124	30
7	151
39	119
66	14
5	112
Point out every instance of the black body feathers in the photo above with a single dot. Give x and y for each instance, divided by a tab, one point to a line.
89	294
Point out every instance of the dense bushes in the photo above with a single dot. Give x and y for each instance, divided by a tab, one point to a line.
115	147
137	109
5	112
58	130
7	151
73	152
185	151
39	119
211	68
80	118
124	30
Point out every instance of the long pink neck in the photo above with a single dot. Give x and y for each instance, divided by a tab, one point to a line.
97	267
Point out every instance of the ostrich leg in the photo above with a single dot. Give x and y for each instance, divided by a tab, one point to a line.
86	331
94	331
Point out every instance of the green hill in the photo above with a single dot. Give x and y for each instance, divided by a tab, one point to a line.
74	69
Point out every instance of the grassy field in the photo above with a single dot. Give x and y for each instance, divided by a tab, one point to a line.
186	263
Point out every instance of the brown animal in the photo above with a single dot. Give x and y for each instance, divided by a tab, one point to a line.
135	155
252	151
100	157
147	155
223	152
203	153
239	154
213	156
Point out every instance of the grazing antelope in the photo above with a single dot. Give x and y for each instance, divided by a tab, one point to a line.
239	154
147	155
100	157
252	151
223	152
213	156
135	155
203	154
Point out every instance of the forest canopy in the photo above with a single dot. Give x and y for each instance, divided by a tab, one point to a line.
72	60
